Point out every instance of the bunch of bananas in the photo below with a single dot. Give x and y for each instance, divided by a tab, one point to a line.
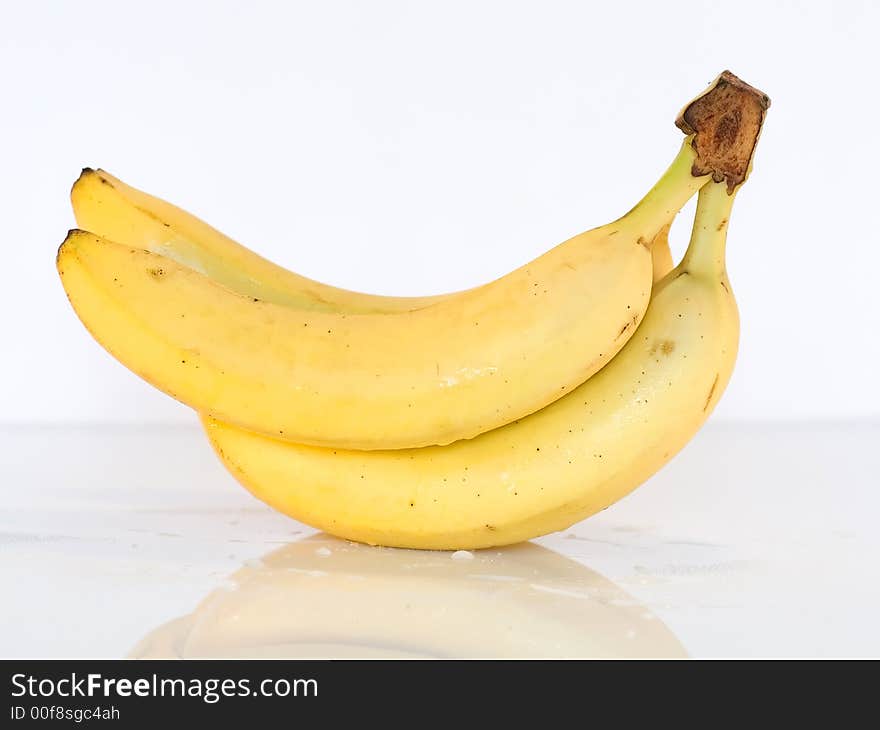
466	420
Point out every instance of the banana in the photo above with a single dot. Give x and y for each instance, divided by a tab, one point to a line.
661	255
108	207
452	370
541	473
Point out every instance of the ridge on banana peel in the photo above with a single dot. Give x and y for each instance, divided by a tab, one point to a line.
109	208
541	473
462	366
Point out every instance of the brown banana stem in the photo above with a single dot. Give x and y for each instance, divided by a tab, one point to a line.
726	122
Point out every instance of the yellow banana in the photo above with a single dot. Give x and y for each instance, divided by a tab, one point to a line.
451	370
661	255
541	473
108	207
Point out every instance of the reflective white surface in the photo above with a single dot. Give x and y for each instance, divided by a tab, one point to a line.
755	541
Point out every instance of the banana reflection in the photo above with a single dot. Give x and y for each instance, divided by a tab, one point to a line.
325	598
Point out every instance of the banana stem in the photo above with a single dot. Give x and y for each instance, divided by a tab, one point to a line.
669	195
723	125
705	253
725	121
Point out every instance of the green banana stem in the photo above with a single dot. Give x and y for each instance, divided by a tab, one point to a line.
669	195
723	125
705	253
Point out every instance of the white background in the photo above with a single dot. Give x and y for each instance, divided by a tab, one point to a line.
414	148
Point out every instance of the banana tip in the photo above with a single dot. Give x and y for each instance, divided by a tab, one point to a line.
68	244
90	173
84	175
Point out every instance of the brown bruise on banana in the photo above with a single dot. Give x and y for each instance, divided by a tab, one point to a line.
630	323
665	347
726	122
711	392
